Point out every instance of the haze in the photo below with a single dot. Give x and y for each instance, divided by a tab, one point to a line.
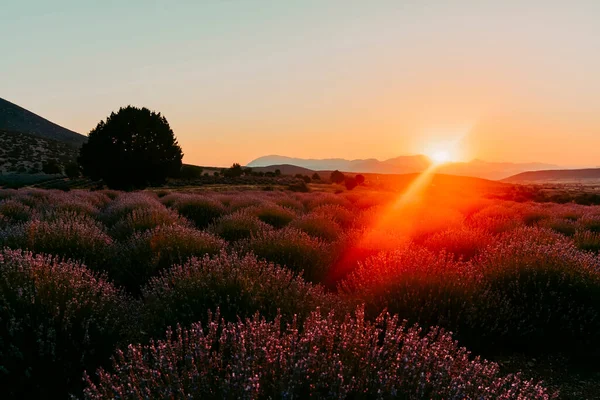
239	79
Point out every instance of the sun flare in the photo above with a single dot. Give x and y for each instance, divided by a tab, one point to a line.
440	157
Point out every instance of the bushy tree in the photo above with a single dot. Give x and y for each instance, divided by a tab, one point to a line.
360	179
350	182
234	171
316	177
337	177
131	149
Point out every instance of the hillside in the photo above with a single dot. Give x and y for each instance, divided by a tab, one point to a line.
404	165
286	169
17	119
557	176
26	153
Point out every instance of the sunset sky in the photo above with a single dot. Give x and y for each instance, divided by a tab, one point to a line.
238	79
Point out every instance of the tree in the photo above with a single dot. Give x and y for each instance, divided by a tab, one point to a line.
337	177
316	177
133	148
277	172
51	167
306	178
234	171
350	182
360	179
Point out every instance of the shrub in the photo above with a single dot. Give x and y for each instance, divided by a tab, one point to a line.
540	295
141	220
15	211
590	223
290	203
327	359
234	171
126	203
350	182
145	255
463	243
58	320
337	177
190	172
273	215
202	211
588	241
318	226
238	286
69	236
563	226
339	214
293	249
237	226
417	284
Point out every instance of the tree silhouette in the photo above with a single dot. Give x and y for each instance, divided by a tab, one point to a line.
337	177
133	148
360	179
234	171
350	183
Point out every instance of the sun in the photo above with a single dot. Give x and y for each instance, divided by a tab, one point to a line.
440	157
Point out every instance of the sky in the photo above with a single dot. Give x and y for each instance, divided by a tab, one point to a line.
514	81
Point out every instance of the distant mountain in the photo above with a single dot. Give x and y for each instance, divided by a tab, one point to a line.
405	165
492	170
556	176
17	119
285	169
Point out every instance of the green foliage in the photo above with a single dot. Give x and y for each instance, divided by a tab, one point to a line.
131	149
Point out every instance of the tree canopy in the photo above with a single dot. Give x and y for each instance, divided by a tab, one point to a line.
133	148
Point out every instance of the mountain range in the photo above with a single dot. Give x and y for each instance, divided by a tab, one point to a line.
406	165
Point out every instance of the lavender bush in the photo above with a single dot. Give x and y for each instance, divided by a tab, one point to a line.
256	359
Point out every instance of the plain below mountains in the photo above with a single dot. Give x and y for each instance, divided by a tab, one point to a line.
404	165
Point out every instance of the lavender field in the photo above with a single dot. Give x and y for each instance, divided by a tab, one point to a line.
276	294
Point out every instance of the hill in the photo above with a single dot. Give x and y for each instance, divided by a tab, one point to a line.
24	153
286	169
587	175
404	165
14	118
